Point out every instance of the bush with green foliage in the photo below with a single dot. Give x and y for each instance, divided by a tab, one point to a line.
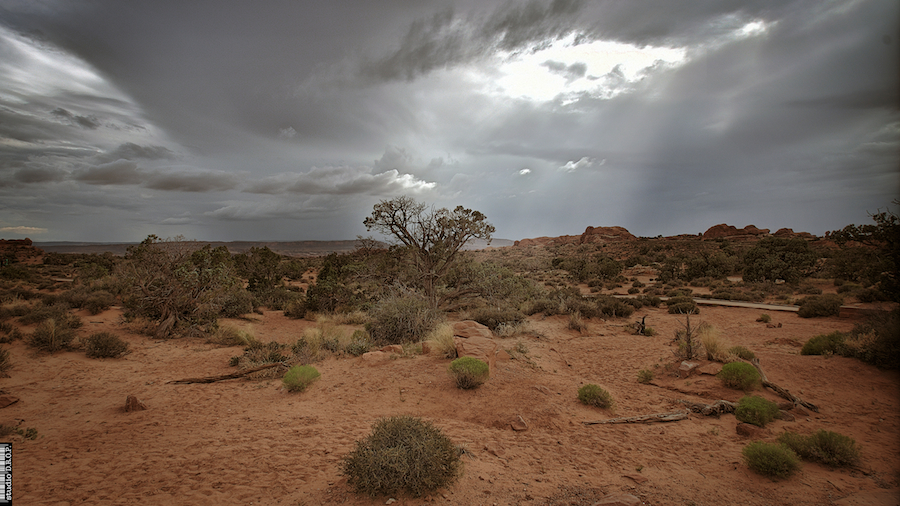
756	410
494	317
739	375
401	319
105	345
469	372
52	336
359	343
820	305
876	340
771	459
300	377
594	395
829	448
741	352
823	344
774	258
764	318
402	453
682	305
645	376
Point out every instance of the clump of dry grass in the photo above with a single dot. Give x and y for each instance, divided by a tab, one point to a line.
576	323
441	341
228	335
715	345
351	318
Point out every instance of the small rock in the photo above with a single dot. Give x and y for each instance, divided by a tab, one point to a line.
393	348
711	368
470	328
390	501
8	400
798	411
786	416
375	356
618	500
518	424
686	369
132	403
636	477
751	431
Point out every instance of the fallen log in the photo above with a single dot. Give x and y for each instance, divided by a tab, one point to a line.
781	391
671	416
213	379
716	408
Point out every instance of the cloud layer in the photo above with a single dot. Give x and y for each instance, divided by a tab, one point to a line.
225	121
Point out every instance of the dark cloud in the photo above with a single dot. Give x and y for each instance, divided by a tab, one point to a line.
131	151
89	122
340	181
32	175
120	172
192	182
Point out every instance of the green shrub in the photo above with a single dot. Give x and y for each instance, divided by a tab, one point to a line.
493	318
771	459
611	307
741	352
756	410
876	341
359	343
649	331
594	395
739	375
823	344
469	372
764	318
52	336
829	448
105	345
401	319
820	305
682	305
402	453
645	376
299	377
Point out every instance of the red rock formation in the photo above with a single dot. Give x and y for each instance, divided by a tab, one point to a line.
605	234
729	231
19	249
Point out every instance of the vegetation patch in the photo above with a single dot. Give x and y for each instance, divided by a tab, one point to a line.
739	375
469	372
594	395
756	410
299	377
813	306
105	345
402	454
402	319
823	344
645	376
741	352
829	448
52	336
771	459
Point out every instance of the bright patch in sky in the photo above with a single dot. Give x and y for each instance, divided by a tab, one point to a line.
565	67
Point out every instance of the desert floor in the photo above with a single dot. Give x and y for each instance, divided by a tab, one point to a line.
251	442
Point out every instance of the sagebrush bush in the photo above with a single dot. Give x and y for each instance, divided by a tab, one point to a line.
594	395
829	448
682	305
402	453
823	344
645	376
51	336
493	317
764	318
756	410
300	377
876	341
105	345
739	375
741	352
359	344
771	459
820	305
469	372
401	319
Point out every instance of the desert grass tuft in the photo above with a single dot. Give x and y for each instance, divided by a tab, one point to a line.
441	341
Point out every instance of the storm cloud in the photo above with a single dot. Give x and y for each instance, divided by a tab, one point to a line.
225	121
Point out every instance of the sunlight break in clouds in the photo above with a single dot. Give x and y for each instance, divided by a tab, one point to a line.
24	230
567	67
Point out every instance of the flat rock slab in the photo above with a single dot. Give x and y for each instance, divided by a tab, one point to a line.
8	400
469	328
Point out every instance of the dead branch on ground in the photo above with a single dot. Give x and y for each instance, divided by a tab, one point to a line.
213	379
672	416
781	391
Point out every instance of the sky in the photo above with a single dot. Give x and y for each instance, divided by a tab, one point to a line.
283	120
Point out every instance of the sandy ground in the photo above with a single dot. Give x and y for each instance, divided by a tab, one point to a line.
251	442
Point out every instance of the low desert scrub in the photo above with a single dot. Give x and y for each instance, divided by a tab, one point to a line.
51	336
715	345
645	376
105	345
140	325
5	362
829	448
576	323
594	395
741	353
351	318
764	318
469	372
820	305
682	305
756	410
400	319
493	318
11	333
299	377
29	433
739	375
771	459
228	335
686	341
359	344
649	331
402	454
441	341
823	344
876	341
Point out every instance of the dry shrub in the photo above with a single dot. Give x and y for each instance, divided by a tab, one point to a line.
141	325
594	395
105	345
228	335
51	336
5	362
441	341
576	323
493	317
351	318
403	453
741	353
829	448
715	345
771	459
402	319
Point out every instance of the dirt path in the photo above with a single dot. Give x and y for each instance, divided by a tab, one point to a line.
250	442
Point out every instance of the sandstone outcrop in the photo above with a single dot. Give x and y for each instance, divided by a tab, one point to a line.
731	232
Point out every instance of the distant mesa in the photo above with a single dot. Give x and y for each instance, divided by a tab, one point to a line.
750	233
590	235
18	249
